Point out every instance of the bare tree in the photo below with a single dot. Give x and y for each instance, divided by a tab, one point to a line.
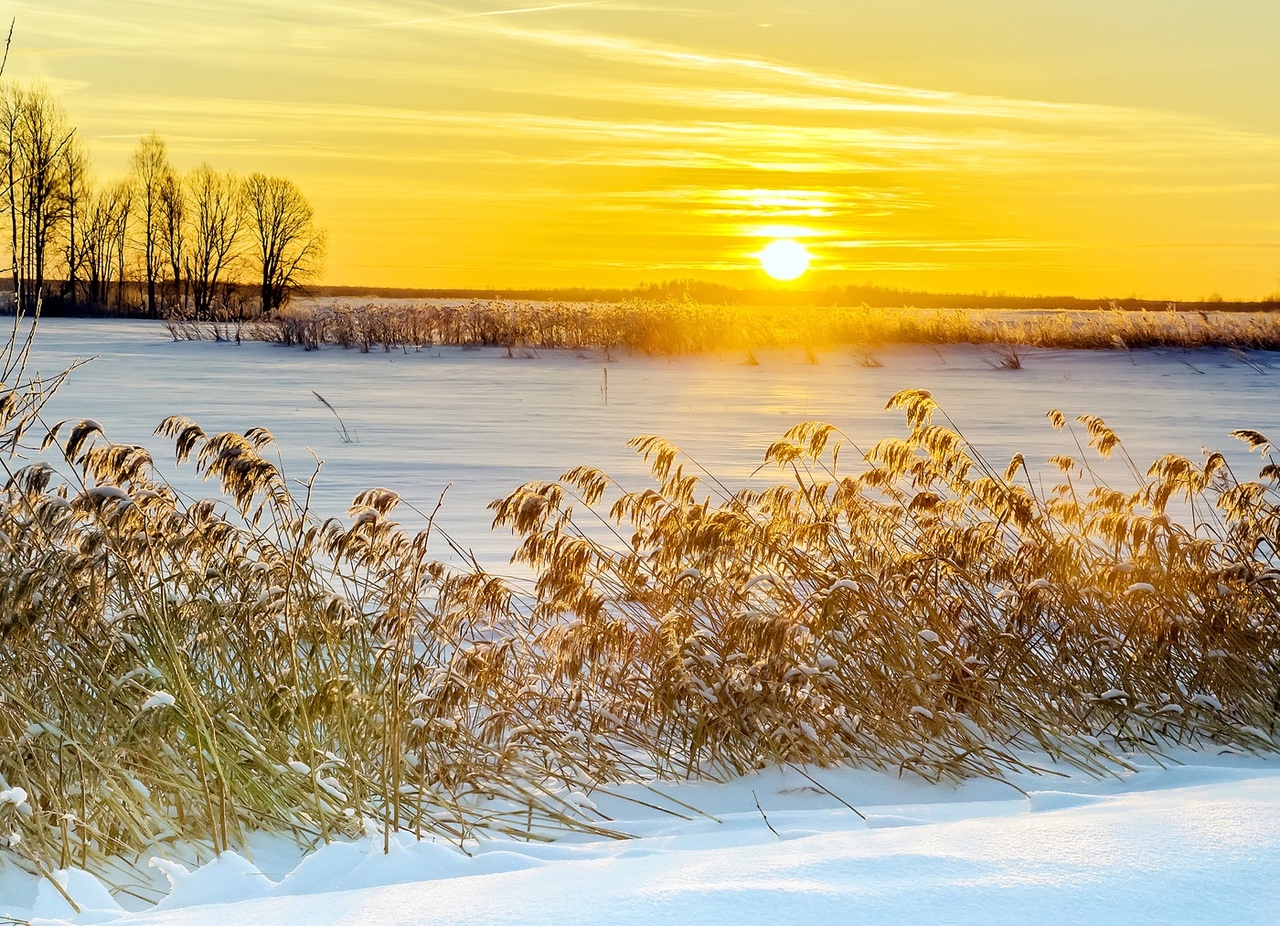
216	218
187	229
122	194
288	247
93	235
150	171
34	133
102	233
77	171
173	232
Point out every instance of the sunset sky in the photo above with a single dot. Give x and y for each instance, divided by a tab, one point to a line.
1095	147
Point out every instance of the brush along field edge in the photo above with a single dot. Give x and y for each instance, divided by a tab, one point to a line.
194	671
691	328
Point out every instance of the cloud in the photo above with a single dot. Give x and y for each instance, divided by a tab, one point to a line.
733	69
456	16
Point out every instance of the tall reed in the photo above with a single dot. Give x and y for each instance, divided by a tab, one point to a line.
930	612
689	328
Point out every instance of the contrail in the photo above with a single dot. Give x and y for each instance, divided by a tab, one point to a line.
525	9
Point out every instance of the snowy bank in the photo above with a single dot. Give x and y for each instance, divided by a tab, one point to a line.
1188	844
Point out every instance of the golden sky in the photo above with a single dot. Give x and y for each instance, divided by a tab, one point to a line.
1097	147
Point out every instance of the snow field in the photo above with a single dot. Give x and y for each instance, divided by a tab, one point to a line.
1187	844
474	425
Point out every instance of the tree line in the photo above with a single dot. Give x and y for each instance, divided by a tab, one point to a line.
156	241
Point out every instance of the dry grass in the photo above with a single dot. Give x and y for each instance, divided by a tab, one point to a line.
190	672
175	671
689	328
929	612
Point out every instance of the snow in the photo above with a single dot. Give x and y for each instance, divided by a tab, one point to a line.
95	903
157	700
229	875
1188	843
475	424
1196	841
14	796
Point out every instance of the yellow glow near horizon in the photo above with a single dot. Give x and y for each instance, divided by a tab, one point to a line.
785	260
1092	148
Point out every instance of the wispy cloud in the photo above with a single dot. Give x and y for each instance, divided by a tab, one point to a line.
733	69
483	14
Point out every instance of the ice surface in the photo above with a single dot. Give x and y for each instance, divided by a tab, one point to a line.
481	423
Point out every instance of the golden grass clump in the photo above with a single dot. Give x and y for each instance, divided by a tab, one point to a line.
182	673
929	613
688	327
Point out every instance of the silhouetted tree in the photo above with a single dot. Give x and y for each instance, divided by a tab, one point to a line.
77	172
287	248
173	232
216	218
34	134
102	234
122	194
150	171
156	229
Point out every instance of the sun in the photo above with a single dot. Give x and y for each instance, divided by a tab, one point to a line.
785	260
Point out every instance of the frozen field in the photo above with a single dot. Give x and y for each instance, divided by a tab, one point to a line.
484	423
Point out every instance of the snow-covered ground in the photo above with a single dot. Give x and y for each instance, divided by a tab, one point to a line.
481	423
1198	842
1188	844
